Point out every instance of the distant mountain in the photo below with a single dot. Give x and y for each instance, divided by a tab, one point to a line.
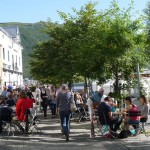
31	34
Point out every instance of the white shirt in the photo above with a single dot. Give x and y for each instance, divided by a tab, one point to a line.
103	97
38	91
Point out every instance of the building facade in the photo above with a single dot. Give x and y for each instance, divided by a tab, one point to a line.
11	72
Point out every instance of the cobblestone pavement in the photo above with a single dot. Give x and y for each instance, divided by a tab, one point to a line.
51	138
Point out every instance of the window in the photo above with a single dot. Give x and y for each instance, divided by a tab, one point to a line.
13	61
8	55
16	59
19	61
3	53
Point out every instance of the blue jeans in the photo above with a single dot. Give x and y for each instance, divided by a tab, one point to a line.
65	121
134	123
1	125
52	107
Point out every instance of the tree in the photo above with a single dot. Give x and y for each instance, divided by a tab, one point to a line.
96	45
147	28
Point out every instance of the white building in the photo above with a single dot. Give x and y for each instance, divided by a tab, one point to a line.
10	57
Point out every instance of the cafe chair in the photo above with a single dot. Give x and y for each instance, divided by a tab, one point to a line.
31	120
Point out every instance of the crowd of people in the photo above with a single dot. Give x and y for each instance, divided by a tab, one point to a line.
130	115
58	101
45	97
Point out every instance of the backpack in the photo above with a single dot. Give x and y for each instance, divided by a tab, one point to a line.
124	134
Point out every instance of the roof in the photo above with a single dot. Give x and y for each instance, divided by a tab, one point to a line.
12	31
4	31
145	72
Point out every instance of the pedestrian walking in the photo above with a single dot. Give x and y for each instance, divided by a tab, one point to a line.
63	105
44	98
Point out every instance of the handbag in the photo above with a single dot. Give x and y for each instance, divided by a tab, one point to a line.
73	107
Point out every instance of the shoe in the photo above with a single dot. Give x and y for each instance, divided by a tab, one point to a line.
137	132
114	134
52	116
142	131
45	117
67	137
62	131
23	131
0	129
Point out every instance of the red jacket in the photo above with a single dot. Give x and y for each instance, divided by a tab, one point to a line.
21	106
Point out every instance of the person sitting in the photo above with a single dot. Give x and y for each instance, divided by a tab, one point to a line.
2	101
5	112
106	116
22	105
5	115
10	101
78	99
111	95
132	114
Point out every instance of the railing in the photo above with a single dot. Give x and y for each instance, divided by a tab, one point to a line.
11	67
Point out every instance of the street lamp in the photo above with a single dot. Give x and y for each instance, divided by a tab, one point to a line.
138	79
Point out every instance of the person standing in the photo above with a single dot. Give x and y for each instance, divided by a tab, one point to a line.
144	110
44	98
63	105
48	91
52	101
94	101
29	94
38	93
4	92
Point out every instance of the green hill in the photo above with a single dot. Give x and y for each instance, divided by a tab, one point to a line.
31	34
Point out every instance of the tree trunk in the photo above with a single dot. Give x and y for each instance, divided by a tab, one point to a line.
70	85
85	87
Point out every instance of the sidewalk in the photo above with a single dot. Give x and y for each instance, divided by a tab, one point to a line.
51	138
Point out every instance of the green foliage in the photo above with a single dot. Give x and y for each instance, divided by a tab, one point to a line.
92	44
147	29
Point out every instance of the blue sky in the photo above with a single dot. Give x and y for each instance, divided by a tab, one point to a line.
31	11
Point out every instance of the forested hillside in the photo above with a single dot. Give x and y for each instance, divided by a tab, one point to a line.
31	34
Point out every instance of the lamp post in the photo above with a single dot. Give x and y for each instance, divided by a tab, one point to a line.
138	79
